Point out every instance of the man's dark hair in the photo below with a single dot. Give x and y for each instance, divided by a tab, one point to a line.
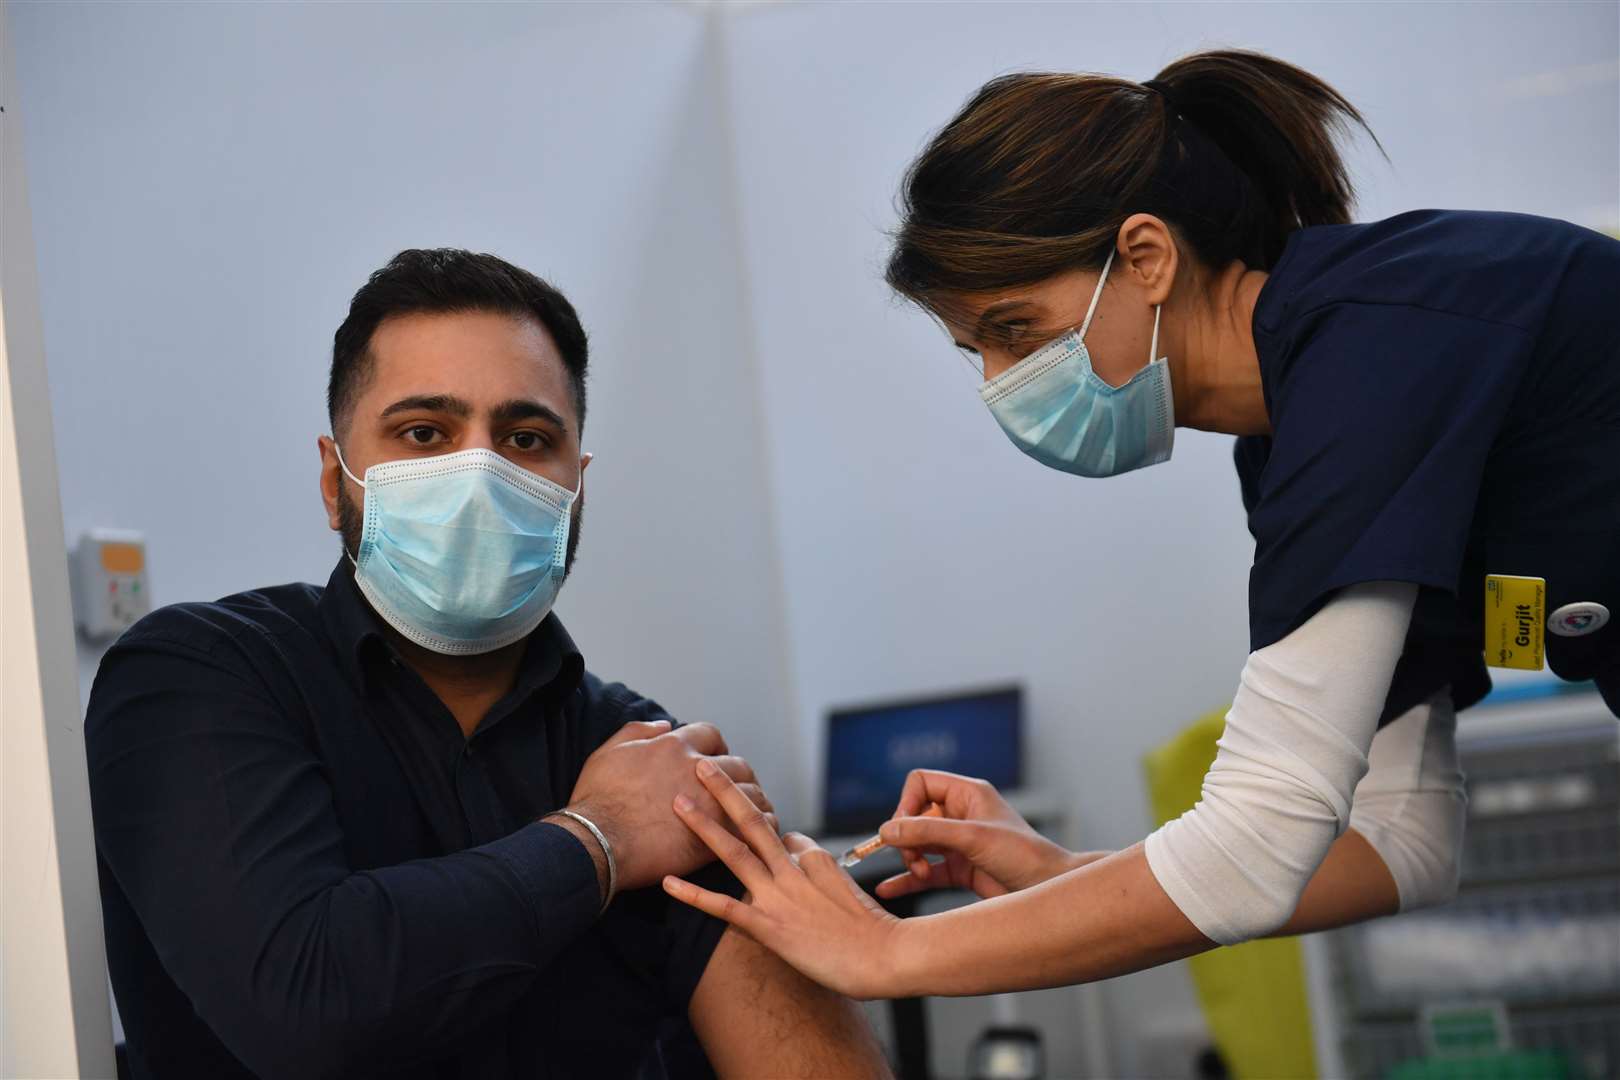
441	281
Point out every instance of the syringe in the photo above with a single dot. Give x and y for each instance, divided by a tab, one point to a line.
867	848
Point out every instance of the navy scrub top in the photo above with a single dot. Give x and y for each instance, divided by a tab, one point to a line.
1444	396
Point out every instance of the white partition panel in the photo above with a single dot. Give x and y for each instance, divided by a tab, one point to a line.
53	1005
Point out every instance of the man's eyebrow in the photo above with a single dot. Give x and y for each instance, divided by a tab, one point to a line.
441	403
527	409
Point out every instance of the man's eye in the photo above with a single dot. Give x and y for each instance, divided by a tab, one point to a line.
422	435
526	440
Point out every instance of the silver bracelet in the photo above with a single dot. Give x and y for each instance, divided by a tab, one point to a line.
607	853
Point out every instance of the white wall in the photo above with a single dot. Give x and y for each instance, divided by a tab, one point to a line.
212	184
920	549
798	499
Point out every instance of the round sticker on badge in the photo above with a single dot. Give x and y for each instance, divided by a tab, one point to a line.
1578	619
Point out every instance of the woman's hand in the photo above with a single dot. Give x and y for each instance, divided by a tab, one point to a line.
987	846
800	905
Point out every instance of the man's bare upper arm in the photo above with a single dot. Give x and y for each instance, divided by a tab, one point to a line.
756	1016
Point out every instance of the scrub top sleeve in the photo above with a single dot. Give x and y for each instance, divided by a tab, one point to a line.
1384	417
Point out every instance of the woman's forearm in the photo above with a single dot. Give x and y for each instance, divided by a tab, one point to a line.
1106	918
1109	917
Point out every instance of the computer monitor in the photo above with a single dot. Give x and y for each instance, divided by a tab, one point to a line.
871	748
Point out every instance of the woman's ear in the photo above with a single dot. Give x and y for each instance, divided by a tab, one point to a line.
1149	255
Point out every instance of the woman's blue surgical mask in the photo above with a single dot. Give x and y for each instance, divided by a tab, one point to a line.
461	553
1056	409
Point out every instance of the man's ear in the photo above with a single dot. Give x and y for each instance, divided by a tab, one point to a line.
331	477
1150	255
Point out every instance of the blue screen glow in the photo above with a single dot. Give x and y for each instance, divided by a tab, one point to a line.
870	751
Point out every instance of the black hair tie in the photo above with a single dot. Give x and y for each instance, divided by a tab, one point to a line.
1165	92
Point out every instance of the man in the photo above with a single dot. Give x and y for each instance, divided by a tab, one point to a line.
394	827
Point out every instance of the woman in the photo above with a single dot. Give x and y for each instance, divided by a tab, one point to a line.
1428	420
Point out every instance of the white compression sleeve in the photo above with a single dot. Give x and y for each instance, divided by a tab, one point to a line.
1411	804
1294	749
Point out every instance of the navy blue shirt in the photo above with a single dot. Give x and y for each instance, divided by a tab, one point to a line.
307	870
1444	395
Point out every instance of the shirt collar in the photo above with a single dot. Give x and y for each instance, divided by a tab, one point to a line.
551	661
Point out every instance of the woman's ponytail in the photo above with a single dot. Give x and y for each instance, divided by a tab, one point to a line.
1279	125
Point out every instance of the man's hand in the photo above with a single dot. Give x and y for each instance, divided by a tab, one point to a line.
629	783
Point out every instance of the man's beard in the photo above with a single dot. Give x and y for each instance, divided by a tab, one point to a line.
351	520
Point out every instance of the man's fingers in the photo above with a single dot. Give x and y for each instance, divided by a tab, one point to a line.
743	916
704	738
757	796
751	822
726	847
737	768
638	729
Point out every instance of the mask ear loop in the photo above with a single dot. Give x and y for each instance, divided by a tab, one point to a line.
568	515
1096	296
344	466
579	487
1158	310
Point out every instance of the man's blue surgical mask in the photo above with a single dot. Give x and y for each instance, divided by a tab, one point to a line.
461	553
1056	409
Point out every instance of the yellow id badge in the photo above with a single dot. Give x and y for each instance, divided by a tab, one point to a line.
1515	621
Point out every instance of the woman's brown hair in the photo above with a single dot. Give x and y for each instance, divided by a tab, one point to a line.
1235	150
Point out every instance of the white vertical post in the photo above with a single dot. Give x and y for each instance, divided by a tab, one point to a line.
1327	1031
54	1015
